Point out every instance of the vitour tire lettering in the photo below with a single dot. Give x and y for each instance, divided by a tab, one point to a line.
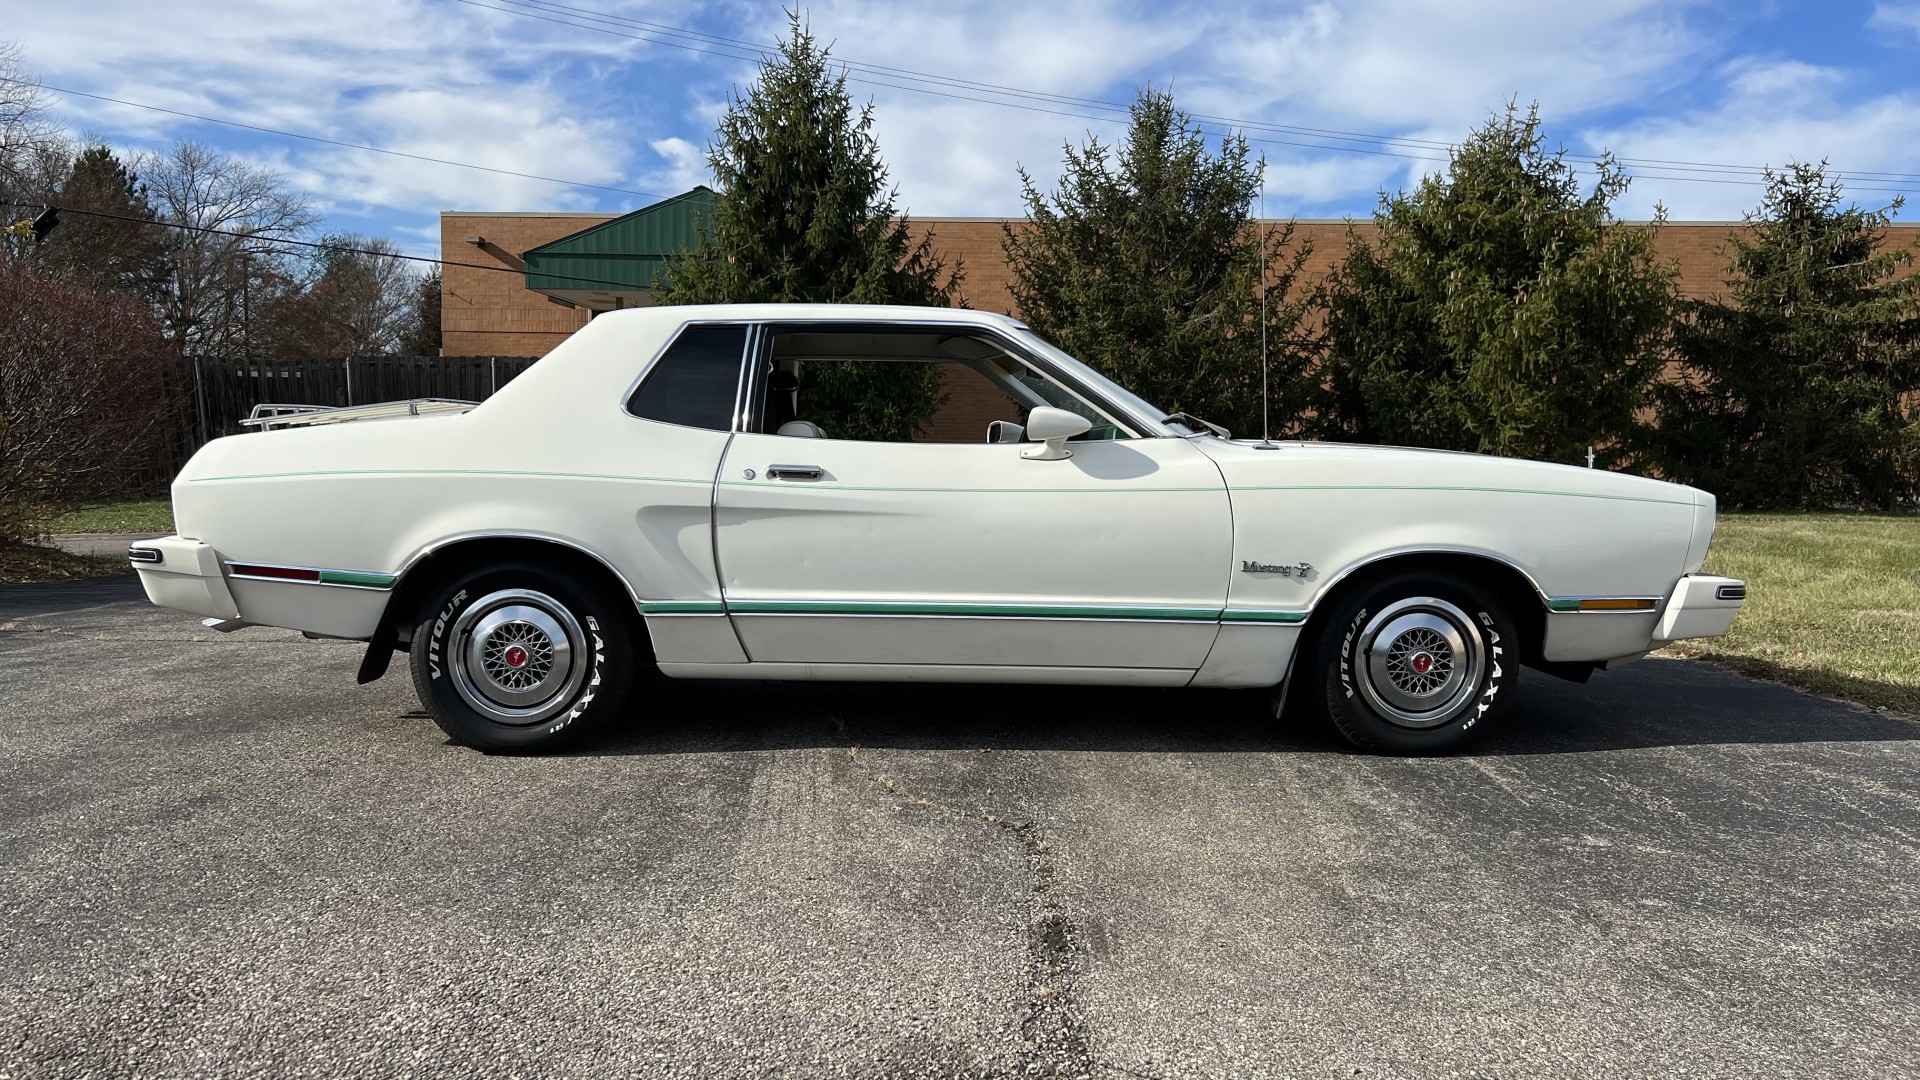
1346	651
440	630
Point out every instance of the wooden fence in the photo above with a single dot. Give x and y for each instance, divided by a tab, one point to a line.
218	392
208	396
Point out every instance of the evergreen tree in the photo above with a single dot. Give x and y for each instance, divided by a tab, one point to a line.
1148	269
1498	310
1803	389
803	213
422	334
106	251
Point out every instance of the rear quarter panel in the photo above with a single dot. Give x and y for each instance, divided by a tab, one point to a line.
553	455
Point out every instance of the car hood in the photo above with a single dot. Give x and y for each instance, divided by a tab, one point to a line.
1360	466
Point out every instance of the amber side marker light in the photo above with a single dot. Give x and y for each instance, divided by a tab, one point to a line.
1616	605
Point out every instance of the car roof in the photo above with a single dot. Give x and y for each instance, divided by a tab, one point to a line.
775	312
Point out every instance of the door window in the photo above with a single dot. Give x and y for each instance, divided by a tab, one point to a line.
876	383
694	383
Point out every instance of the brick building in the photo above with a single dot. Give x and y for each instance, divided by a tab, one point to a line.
533	308
488	313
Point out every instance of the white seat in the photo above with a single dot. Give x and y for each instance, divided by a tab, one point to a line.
801	429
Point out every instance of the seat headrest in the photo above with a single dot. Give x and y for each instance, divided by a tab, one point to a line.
801	429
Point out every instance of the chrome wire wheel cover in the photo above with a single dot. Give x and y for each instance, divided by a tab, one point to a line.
518	656
1420	662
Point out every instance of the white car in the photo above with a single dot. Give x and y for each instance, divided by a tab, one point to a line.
670	489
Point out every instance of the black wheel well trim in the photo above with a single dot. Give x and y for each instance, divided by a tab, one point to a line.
1533	618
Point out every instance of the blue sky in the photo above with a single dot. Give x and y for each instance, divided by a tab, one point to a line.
529	86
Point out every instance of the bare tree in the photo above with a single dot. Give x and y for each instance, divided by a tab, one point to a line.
34	154
358	302
83	402
217	279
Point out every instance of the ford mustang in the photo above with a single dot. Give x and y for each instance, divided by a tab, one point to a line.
705	493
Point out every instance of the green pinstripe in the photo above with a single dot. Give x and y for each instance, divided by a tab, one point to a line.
355	577
837	486
682	607
450	472
1241	615
1460	487
993	611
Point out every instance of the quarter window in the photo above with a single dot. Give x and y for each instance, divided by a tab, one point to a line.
694	382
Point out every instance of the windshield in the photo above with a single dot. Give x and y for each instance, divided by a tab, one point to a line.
1099	383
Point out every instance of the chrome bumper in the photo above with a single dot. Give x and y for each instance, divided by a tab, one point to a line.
1700	606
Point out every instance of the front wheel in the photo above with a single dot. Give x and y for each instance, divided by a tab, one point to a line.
1414	664
523	657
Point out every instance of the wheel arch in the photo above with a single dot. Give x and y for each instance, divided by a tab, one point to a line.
1516	588
432	563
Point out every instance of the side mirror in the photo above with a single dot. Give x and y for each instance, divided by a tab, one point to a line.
1053	427
1005	431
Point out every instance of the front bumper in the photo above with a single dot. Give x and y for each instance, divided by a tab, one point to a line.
1700	606
186	576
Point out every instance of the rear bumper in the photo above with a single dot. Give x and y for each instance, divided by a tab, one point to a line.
185	576
192	576
1700	606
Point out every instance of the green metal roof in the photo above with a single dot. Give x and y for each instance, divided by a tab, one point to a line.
629	250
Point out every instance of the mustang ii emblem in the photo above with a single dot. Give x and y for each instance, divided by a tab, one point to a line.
1299	570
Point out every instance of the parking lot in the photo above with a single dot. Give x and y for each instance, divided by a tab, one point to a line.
220	857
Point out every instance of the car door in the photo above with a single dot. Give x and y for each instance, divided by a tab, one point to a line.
971	555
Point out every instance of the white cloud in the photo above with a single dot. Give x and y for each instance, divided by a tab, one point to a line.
439	79
686	164
1770	114
1897	18
1788	81
1393	67
425	78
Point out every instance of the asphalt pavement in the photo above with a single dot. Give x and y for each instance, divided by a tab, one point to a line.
220	857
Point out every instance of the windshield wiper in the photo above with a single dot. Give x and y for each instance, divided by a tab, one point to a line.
1190	420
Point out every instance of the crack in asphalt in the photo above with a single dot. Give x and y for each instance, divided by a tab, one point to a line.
1052	1029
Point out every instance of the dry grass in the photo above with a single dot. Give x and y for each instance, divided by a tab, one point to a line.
1833	604
139	515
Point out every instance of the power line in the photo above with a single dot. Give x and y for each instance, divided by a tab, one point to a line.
889	77
872	79
316	244
337	142
1649	168
762	52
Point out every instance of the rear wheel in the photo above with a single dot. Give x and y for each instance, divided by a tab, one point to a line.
1417	663
524	657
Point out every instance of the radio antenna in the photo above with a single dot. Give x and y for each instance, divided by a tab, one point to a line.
1266	398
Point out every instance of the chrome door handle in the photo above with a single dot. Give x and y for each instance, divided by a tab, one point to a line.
795	472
